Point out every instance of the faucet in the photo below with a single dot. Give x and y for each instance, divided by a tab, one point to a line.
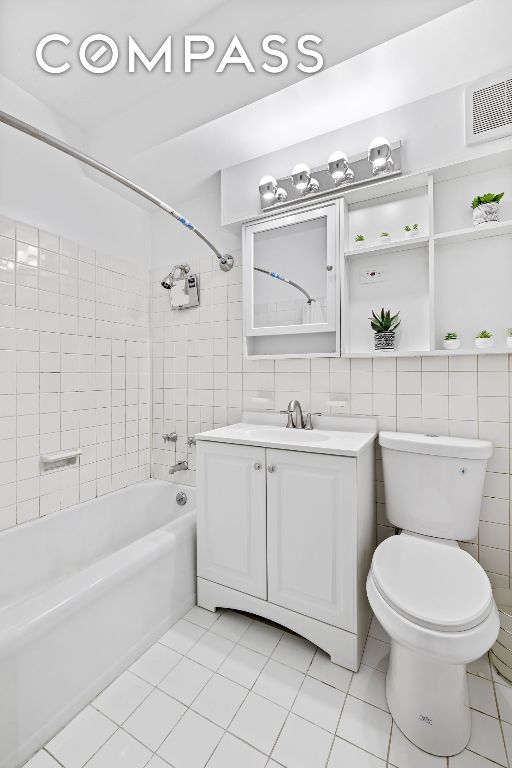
295	415
179	467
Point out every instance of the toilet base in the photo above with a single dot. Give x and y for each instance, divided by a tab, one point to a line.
429	701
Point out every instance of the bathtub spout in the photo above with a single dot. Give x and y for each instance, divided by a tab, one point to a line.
179	467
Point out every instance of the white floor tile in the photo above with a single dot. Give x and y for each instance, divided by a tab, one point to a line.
201	617
369	684
81	738
243	666
42	760
279	683
376	654
323	669
191	743
302	744
157	762
294	651
122	697
365	726
220	700
152	722
504	696
481	695
186	681
507	733
345	755
182	636
486	739
232	625
258	721
499	678
319	703
404	754
261	637
211	650
156	663
120	751
233	753
469	759
377	631
481	667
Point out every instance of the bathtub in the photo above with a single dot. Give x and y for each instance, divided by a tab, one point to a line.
83	593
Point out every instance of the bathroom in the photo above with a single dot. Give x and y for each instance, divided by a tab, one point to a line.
206	449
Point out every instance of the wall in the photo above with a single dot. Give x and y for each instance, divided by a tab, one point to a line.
74	370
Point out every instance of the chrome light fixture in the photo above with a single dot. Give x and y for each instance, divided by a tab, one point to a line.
379	156
301	177
339	169
269	191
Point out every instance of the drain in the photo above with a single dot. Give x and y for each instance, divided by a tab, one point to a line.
181	498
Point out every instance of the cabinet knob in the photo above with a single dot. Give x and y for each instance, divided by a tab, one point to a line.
257	465
271	468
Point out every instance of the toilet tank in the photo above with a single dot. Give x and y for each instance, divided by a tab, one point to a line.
433	485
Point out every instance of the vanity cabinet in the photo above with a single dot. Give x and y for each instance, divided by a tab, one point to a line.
288	534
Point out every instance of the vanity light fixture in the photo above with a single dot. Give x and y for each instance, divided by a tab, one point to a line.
379	156
301	177
269	190
339	169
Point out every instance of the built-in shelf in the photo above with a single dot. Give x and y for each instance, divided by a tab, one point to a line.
492	229
430	352
407	244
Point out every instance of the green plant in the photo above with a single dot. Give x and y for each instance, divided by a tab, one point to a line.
451	336
489	197
359	238
484	335
509	332
384	234
385	322
414	228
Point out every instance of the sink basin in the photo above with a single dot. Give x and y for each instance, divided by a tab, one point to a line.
295	435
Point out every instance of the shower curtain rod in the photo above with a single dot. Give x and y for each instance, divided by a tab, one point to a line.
287	280
225	260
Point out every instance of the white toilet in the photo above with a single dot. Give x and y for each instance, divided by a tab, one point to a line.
433	599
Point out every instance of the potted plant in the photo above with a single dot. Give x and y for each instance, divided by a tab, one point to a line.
486	208
451	340
484	339
359	240
509	337
411	231
384	325
384	237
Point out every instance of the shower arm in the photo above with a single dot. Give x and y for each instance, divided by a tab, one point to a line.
277	276
225	260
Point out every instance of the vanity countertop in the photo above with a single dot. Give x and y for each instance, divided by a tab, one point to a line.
335	435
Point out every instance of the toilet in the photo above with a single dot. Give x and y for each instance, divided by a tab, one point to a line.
432	598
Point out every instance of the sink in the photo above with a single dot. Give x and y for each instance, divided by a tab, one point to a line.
295	435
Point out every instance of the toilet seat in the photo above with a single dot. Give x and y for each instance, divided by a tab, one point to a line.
432	583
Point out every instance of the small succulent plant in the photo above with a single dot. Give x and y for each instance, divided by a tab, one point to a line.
359	238
384	234
385	322
414	228
489	197
509	332
484	335
451	336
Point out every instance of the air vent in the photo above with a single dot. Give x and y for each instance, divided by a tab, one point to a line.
489	109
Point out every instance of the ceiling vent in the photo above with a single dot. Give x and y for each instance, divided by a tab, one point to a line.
489	108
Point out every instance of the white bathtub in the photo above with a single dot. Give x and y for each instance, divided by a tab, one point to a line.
83	593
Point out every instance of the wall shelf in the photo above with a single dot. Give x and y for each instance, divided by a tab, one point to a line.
492	229
407	244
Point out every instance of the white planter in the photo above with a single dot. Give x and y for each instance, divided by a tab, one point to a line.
451	343
484	343
359	243
485	213
509	341
384	239
412	233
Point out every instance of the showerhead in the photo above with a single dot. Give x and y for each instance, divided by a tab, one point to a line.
168	281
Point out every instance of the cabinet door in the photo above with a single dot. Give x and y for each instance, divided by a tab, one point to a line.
231	516
311	534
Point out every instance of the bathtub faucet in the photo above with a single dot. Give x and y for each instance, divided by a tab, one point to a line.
179	467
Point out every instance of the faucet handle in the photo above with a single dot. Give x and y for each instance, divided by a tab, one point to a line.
309	423
289	423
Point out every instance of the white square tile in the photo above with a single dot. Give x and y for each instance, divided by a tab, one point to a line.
120	751
481	695
154	719
294	651
182	636
42	760
156	663
469	759
243	666
346	755
481	667
231	625
191	743
220	700
157	762
185	681
279	683
81	738
302	744
233	753
369	684
404	754
486	738
365	726
210	650
258	721
122	697
376	654
323	669
319	703
504	697
202	617
261	637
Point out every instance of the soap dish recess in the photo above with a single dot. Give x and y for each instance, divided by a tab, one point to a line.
60	459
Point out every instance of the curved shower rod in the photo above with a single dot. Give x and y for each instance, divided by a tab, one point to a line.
225	260
277	276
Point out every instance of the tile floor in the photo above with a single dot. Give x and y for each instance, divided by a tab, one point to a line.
225	691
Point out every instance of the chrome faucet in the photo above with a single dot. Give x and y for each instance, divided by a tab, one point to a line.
295	411
179	467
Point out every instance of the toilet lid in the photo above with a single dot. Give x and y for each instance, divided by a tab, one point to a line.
433	584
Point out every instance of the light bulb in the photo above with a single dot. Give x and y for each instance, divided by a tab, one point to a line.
268	187
301	177
379	155
337	165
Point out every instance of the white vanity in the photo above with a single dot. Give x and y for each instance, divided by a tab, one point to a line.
286	525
